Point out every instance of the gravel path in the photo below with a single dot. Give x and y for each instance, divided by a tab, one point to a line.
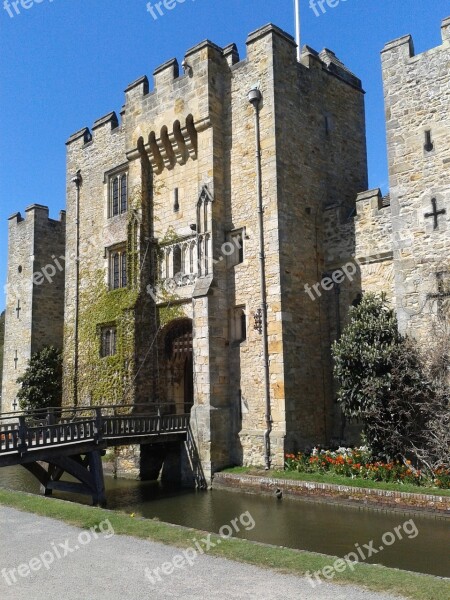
113	568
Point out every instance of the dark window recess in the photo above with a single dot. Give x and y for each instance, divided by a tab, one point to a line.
108	341
124	270
243	326
176	202
118	269
237	239
429	146
240	246
115	198
115	271
123	194
239	325
176	260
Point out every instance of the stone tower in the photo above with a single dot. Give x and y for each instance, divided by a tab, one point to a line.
35	293
399	244
417	101
159	309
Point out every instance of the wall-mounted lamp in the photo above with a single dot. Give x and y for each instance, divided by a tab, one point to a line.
77	179
254	96
186	67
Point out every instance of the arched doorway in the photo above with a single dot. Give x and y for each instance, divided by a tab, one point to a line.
179	366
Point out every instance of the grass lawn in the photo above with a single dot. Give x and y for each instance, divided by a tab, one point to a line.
339	480
373	577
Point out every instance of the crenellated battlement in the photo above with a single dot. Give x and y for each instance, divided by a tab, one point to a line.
191	93
366	232
403	47
84	134
102	126
37	212
109	119
445	30
168	71
328	62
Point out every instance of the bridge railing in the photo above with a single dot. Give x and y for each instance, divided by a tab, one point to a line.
70	413
144	424
60	433
9	437
65	426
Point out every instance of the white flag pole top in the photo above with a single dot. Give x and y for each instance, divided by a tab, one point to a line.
297	27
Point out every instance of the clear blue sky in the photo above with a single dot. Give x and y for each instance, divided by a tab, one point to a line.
64	63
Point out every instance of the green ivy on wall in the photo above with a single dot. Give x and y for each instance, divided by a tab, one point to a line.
109	379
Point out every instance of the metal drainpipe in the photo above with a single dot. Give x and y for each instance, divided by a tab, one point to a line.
77	180
255	97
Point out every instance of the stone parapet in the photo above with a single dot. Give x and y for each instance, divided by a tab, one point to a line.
372	498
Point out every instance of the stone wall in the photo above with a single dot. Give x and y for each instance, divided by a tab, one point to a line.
365	498
99	381
321	161
361	242
417	101
358	249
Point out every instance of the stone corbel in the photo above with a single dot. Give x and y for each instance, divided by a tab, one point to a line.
190	141
179	146
163	151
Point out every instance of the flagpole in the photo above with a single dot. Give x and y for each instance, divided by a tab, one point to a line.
297	27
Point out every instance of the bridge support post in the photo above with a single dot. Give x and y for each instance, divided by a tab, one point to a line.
171	470
22	445
151	461
96	470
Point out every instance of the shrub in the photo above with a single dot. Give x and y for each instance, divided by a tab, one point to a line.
398	421
383	381
41	384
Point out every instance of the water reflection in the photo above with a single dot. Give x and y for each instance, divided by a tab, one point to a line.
294	523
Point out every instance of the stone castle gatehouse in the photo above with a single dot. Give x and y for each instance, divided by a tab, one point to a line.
223	228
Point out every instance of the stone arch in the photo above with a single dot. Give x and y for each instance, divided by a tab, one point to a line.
177	365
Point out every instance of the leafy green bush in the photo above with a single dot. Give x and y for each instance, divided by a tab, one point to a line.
362	356
382	381
41	384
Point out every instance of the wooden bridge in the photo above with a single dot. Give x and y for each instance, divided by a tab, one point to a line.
73	440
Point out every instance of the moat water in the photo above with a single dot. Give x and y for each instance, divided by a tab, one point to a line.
300	524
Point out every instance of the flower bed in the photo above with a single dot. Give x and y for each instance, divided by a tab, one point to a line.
357	463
